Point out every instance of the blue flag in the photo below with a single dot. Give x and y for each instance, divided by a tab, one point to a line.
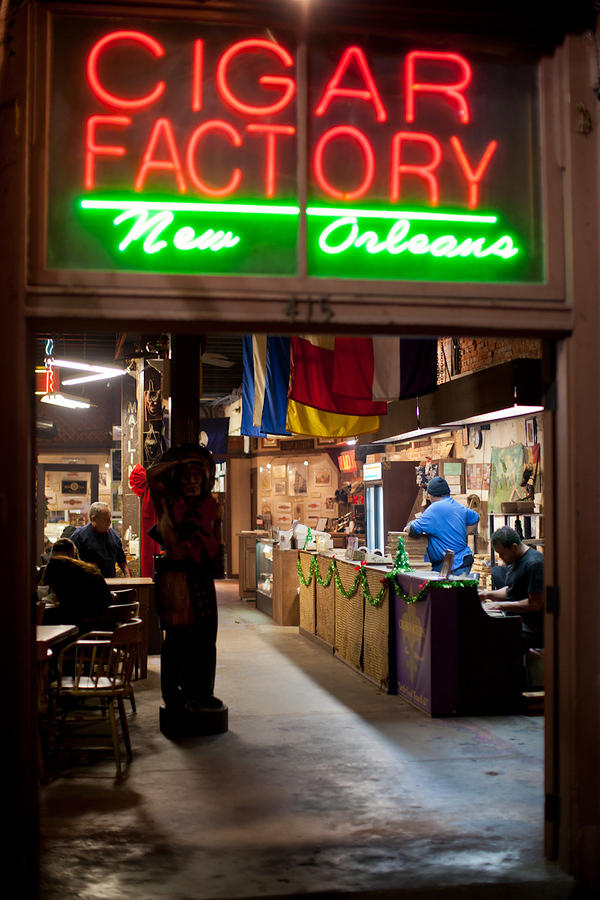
266	366
214	434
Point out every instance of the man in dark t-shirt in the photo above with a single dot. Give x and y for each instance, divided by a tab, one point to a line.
523	593
100	544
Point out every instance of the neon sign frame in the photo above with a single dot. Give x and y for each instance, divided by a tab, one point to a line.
364	236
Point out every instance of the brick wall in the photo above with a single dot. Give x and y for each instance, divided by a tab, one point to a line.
460	356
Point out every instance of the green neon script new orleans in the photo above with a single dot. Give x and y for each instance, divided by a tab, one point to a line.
182	228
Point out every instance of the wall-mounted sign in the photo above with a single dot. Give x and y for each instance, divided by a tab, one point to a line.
173	148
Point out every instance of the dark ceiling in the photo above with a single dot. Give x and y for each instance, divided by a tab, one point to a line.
218	382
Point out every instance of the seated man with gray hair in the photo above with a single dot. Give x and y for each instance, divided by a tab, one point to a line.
522	594
100	544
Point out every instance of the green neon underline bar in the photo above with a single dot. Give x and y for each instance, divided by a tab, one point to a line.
397	214
192	207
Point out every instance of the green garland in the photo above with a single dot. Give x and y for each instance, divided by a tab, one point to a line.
400	565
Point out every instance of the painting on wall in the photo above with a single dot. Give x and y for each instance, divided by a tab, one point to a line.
284	507
322	477
298	510
505	476
297	479
279	487
474	473
265	480
485	476
279	471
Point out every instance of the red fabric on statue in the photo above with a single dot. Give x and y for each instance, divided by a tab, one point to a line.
137	483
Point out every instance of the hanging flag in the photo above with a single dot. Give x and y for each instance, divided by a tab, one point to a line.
247	426
385	368
311	379
266	375
302	419
214	435
313	407
270	406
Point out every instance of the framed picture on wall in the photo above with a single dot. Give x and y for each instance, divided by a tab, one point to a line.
298	510
297	479
268	443
265	480
326	442
322	477
530	432
279	471
280	487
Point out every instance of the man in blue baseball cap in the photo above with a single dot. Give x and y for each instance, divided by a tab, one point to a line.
445	522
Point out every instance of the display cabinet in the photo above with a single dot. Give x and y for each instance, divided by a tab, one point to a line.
247	563
264	575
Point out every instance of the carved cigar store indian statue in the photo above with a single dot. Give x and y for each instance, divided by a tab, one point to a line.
189	522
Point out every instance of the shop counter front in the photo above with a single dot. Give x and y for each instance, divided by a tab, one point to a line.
347	612
451	657
435	646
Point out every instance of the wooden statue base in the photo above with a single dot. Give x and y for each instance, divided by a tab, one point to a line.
200	721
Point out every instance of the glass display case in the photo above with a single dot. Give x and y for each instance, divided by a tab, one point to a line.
264	576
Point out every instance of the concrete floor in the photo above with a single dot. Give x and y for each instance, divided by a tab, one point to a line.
323	784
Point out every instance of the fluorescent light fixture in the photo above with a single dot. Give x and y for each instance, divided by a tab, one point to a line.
510	412
70	401
96	373
410	435
103	377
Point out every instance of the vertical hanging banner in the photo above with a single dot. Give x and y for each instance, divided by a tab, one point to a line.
173	149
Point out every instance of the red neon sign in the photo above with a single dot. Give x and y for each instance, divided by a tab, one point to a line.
369	93
424	171
347	461
272	81
473	177
270	132
92	149
396	163
161	132
92	69
235	139
453	92
368	158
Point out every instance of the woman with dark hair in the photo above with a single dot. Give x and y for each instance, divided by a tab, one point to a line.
81	592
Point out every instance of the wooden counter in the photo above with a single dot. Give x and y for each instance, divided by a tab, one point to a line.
451	657
349	627
442	653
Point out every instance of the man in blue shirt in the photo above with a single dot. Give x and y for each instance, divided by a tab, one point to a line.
445	522
100	544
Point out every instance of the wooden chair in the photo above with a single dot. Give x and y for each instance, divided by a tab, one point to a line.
94	675
114	615
127	595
